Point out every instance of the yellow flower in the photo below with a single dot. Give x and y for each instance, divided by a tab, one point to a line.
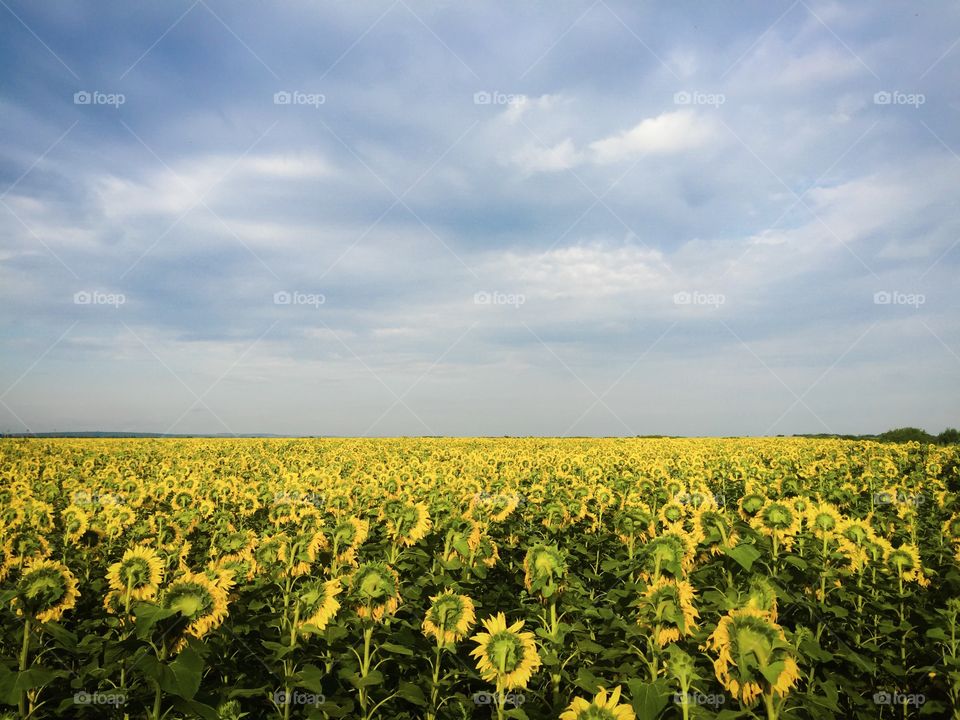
751	647
141	569
198	599
409	524
667	610
601	707
905	562
46	590
318	603
449	618
505	656
544	568
375	587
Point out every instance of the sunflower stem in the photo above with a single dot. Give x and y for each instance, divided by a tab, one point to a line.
24	656
770	706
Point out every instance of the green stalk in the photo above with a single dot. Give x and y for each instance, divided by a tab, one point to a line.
24	655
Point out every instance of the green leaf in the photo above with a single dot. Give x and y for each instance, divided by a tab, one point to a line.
411	693
182	676
744	554
375	677
311	678
649	699
396	649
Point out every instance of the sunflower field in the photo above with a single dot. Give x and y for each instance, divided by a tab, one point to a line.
443	579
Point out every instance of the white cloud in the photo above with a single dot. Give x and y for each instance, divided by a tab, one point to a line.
671	132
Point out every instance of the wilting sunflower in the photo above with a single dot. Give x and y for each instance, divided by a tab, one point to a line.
349	535
762	595
318	602
409	524
198	599
544	568
666	609
45	590
904	562
375	587
140	570
449	618
505	656
753	656
602	707
671	552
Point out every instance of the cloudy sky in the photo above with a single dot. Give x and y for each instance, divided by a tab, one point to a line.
552	218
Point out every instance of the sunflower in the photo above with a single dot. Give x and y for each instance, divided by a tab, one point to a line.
824	519
750	504
487	552
779	521
75	521
410	524
544	568
714	529
317	603
375	587
904	561
671	552
753	655
762	595
140	570
349	535
199	600
45	590
601	707
666	609
449	618
505	655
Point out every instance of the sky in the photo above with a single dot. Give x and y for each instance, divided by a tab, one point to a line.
399	217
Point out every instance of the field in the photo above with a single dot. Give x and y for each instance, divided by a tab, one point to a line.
449	578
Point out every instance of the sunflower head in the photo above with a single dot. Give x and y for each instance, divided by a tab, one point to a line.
505	655
904	561
200	602
139	572
544	567
824	519
750	504
752	656
46	590
409	524
375	589
449	618
317	604
602	707
762	595
666	609
670	553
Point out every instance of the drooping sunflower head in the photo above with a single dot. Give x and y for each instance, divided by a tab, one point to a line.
375	590
751	503
666	609
139	571
951	528
349	534
824	519
45	590
602	707
715	529
200	602
670	553
410	524
544	567
904	561
487	552
633	523
318	603
762	595
449	618
753	656
505	656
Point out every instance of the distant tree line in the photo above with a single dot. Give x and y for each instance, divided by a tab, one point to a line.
950	436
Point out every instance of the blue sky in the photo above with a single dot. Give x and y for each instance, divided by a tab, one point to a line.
404	218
